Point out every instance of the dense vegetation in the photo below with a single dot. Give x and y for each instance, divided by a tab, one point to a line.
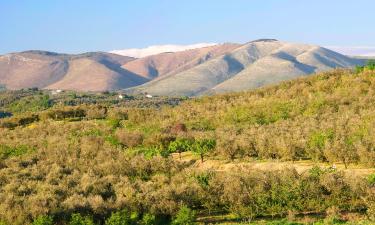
77	158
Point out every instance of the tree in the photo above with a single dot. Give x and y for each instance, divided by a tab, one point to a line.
77	219
229	143
129	139
180	145
43	220
119	218
203	146
370	64
185	216
148	219
317	144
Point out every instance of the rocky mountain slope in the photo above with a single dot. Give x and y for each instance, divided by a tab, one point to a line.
252	65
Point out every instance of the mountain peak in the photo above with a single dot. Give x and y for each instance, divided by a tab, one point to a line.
264	40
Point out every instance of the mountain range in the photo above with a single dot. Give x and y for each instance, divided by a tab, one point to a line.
198	71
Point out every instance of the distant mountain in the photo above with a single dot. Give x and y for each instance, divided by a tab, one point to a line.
96	71
249	66
202	70
165	64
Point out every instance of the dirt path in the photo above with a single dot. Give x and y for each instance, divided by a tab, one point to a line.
300	166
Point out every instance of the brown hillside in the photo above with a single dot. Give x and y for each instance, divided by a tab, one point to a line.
86	74
31	69
93	71
172	63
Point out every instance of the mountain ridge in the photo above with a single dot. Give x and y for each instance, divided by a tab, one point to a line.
210	69
254	64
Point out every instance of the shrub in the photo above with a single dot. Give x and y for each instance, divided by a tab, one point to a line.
8	151
117	114
112	140
185	216
137	116
119	218
22	120
178	128
77	219
148	219
64	113
114	123
43	220
317	142
180	145
370	65
371	179
96	112
5	114
129	139
32	103
332	216
203	146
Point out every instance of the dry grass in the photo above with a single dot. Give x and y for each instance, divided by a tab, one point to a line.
222	165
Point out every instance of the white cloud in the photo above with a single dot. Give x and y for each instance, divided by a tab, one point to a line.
153	50
354	50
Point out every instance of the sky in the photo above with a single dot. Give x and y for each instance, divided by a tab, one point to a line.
74	26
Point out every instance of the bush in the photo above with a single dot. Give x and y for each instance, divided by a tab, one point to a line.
117	114
178	128
203	146
64	113
5	114
371	179
112	140
43	220
370	65
119	218
180	145
77	219
8	151
185	216
148	219
129	139
32	103
18	121
96	112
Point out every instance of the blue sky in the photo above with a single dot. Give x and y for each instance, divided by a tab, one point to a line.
74	26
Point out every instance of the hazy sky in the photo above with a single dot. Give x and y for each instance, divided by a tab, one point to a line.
73	26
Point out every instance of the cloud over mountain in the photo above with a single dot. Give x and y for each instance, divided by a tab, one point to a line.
156	49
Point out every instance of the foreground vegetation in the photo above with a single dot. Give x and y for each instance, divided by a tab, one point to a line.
93	159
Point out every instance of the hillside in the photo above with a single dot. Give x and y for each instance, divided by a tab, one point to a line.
166	64
200	71
87	74
95	71
252	65
31	69
91	157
